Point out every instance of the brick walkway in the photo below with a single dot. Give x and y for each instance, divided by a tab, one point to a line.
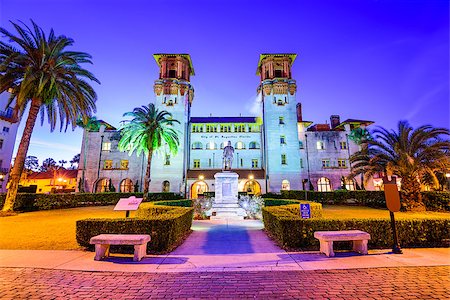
376	283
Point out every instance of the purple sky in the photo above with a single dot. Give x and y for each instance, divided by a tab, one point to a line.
382	60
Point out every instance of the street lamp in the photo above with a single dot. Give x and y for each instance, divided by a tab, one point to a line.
448	181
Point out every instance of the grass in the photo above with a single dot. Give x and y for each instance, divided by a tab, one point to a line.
55	229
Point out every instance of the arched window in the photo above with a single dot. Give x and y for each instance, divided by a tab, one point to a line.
348	183
252	187
222	145
211	145
323	184
253	145
285	185
126	186
165	186
239	145
197	146
198	188
102	185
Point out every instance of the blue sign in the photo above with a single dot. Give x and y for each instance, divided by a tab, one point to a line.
305	211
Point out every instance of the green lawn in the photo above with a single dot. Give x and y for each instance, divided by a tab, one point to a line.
55	229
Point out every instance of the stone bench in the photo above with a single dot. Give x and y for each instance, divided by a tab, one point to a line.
103	241
326	238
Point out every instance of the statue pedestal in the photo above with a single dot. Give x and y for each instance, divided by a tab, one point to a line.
226	204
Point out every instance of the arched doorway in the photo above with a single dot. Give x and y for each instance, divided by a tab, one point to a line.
165	186
126	186
285	185
348	183
198	188
323	184
252	187
102	185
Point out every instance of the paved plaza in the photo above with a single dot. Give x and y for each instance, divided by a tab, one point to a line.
226	259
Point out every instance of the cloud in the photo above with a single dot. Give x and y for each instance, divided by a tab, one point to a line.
254	106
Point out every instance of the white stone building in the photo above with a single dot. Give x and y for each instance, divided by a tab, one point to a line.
278	150
8	132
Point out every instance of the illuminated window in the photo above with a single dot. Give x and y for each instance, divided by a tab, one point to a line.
167	160
253	128
320	145
281	120
211	145
124	164
283	140
225	128
106	146
108	164
283	159
285	185
239	128
323	185
197	128
253	145
326	163
254	163
196	163
343	145
165	186
126	186
211	128
348	183
197	146
240	145
342	163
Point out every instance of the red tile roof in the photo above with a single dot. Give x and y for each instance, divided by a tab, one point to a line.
53	174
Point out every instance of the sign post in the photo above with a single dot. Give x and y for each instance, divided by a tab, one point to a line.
305	211
128	204
393	204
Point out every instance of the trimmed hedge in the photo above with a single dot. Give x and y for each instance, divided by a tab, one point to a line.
168	226
33	202
292	207
292	232
182	203
436	201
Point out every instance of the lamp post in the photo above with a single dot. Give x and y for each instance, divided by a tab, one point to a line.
447	175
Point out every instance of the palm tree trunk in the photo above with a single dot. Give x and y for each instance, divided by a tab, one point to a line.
411	196
147	174
19	162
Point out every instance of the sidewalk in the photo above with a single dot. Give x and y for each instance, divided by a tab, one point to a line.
218	246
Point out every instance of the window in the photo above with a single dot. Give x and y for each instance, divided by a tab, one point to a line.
197	128
342	163
278	73
253	128
210	162
283	159
211	145
197	146
323	185
167	160
225	128
196	163
108	164
281	120
301	163
165	186
211	128
300	145
349	184
240	145
253	145
283	140
126	186
242	162
285	185
254	163
239	128
343	145
320	145
326	163
1	143
106	146
124	164
222	145
172	73
5	129
280	102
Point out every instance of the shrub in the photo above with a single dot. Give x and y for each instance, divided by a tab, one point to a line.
292	232
182	203
168	226
436	201
291	208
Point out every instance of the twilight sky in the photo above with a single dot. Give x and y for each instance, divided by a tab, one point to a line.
379	60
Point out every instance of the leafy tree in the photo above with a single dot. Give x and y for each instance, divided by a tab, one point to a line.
74	160
146	133
48	164
43	75
31	163
88	124
415	155
62	162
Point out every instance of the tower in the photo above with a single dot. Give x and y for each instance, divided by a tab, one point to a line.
174	94
280	135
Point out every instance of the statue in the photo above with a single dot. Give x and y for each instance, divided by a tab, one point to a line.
228	152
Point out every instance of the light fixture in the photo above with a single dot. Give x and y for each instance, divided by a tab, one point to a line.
251	177
447	175
201	177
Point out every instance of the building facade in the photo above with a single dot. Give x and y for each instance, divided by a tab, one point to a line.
277	150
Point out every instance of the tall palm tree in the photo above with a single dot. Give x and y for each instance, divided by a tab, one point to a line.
415	155
88	124
147	132
360	136
39	70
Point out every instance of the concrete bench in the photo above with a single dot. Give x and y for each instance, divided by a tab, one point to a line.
103	241
326	238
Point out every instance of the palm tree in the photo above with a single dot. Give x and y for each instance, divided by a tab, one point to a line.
88	124
360	136
415	155
147	132
38	70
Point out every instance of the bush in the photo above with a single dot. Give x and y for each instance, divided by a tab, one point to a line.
182	203
291	208
168	226
292	232
436	201
33	202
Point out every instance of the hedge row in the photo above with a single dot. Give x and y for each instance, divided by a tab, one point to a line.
33	202
168	226
292	207
292	232
434	201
